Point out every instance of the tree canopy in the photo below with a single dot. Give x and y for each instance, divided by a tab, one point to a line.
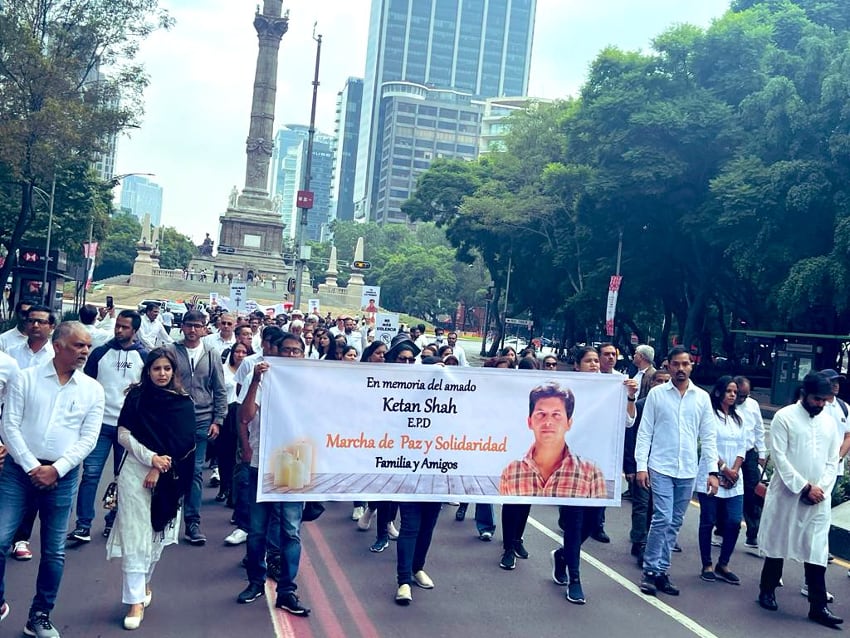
721	159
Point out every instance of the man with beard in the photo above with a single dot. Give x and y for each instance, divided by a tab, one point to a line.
796	517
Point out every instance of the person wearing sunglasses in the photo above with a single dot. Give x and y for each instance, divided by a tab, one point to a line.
37	349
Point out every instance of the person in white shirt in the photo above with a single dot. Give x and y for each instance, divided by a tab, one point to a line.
51	422
457	349
676	415
167	320
8	370
756	456
225	337
18	333
37	349
100	332
152	333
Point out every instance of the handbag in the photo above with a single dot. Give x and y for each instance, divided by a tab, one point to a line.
760	488
110	496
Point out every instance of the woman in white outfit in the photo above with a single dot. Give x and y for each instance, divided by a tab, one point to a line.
157	429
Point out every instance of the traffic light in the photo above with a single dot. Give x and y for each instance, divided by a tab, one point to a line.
290	285
361	265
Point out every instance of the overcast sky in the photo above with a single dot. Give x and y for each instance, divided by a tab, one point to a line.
201	72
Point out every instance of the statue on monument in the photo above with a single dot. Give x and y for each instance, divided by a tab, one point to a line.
206	248
234	195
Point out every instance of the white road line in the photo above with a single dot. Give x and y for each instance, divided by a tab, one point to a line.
687	622
280	624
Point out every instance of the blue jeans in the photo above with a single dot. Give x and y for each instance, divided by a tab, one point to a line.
54	508
484	518
729	512
414	538
670	498
92	470
289	542
242	496
192	499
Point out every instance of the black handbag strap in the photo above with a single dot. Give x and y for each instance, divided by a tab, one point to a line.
764	468
121	464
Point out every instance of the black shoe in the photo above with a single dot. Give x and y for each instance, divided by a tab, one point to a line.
80	535
677	549
519	550
559	566
663	584
508	560
707	574
825	617
193	534
767	600
290	603
221	497
251	593
647	583
107	530
379	545
575	594
460	514
273	570
637	549
723	573
600	536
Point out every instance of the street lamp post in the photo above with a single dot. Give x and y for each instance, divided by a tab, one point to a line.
50	199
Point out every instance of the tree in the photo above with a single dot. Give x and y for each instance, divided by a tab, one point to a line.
176	249
118	249
56	108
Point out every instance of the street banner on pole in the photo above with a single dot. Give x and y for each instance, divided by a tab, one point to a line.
433	433
611	308
90	252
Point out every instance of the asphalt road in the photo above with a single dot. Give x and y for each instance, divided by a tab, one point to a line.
350	590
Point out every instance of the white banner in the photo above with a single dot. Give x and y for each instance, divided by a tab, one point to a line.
433	433
386	327
313	306
370	299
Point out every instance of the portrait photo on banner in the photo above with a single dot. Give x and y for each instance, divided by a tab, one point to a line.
426	433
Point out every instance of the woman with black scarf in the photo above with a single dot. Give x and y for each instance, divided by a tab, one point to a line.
157	429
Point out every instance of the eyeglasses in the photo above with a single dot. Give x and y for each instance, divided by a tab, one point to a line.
551	364
38	322
290	351
225	323
193	326
406	359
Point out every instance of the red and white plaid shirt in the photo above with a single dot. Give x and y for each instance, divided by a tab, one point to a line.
573	478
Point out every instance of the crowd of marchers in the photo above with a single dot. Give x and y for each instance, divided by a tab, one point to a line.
168	410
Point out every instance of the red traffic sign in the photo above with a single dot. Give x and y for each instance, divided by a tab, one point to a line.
304	199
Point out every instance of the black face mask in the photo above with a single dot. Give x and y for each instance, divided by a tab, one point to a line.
813	410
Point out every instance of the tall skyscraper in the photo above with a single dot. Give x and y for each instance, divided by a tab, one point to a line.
141	196
481	48
347	132
287	177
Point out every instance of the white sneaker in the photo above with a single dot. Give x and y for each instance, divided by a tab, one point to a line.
804	591
392	532
365	521
423	580
403	596
357	513
236	537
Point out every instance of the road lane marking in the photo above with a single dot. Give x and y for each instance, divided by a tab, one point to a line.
280	619
349	597
327	616
686	622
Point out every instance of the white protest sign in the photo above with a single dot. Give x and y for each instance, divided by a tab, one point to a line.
238	297
386	327
313	306
434	433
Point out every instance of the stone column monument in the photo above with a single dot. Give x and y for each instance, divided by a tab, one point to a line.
251	238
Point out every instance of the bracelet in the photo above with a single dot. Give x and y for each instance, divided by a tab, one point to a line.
631	399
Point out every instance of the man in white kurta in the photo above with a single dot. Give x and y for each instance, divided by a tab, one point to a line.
796	516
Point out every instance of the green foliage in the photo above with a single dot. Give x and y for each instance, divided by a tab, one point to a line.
57	111
176	249
118	250
722	158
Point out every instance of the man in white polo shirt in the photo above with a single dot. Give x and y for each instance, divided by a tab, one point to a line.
51	422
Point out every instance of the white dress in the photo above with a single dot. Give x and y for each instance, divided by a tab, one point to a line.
132	537
804	450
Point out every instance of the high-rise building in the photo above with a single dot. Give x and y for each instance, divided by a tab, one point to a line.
141	196
481	48
347	132
495	124
287	178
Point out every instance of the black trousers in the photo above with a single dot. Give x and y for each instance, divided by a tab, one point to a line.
514	518
751	473
577	523
771	572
